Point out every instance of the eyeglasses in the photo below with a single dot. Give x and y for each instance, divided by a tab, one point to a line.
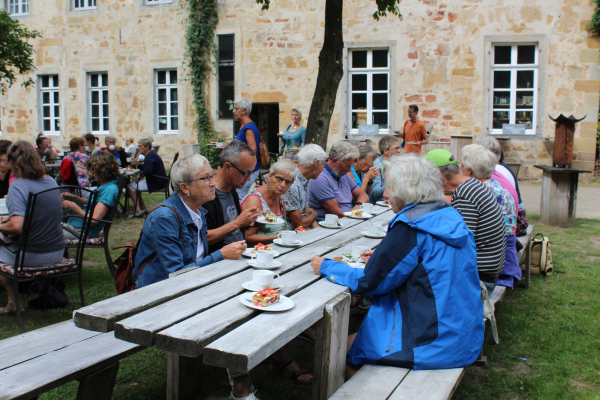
237	108
347	166
281	180
396	149
206	179
244	174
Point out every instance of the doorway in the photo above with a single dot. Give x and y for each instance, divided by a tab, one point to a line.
266	117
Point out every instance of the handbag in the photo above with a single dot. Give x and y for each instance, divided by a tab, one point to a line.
125	263
263	153
541	256
522	224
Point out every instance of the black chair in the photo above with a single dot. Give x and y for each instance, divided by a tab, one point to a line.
102	241
44	209
167	186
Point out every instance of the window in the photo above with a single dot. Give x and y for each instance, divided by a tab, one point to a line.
150	2
166	101
84	4
50	104
18	7
226	74
514	83
369	88
98	97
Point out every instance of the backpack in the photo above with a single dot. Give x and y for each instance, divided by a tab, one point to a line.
124	281
541	256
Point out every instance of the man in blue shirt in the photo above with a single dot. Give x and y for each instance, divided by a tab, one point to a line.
153	169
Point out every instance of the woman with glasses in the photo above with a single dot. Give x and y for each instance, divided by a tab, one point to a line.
7	177
269	199
174	234
389	146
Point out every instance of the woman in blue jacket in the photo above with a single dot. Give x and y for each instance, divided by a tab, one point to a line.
426	311
174	235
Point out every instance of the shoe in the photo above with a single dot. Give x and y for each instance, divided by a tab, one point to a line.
251	396
364	303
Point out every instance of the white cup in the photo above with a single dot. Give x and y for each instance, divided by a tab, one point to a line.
3	209
357	250
2	202
264	257
128	159
263	279
375	229
331	219
367	207
287	237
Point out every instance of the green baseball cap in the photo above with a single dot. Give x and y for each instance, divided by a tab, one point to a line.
440	157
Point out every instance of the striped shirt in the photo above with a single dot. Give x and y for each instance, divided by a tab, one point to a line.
483	216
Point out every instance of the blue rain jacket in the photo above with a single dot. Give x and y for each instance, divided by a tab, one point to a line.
426	311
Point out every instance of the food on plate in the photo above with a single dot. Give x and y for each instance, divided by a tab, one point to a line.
356	213
265	297
301	229
261	246
342	259
386	202
269	217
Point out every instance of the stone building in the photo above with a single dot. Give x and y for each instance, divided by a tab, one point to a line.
471	65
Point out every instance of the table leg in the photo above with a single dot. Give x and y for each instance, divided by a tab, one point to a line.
331	347
528	263
183	377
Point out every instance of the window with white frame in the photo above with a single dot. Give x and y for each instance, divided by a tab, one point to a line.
166	101
369	88
514	83
50	104
18	7
84	4
226	74
150	2
98	103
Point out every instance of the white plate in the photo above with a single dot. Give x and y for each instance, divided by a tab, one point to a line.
380	203
261	220
254	264
296	243
324	225
248	253
367	234
363	216
284	304
251	287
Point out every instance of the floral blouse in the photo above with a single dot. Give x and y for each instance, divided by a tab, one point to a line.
80	160
268	229
506	203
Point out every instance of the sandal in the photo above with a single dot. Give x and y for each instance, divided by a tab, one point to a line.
137	214
308	335
292	376
10	309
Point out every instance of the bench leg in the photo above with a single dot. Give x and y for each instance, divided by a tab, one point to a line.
528	264
183	377
98	385
331	344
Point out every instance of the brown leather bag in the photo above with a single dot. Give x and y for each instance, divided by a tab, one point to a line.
124	281
263	153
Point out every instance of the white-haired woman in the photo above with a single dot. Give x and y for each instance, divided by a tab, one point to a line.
293	138
423	275
269	199
363	171
248	134
174	234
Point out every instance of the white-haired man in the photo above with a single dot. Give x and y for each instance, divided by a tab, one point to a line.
334	192
118	152
311	160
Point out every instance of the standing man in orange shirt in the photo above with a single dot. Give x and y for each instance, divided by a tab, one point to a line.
414	132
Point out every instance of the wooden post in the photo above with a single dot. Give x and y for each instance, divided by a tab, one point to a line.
183	377
331	347
559	195
98	385
457	142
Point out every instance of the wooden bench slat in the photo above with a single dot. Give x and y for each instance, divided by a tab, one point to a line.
496	296
371	382
437	384
21	348
44	373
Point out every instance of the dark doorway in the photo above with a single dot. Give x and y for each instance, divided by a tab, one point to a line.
266	117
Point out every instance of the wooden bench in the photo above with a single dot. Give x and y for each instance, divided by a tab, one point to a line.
526	251
41	360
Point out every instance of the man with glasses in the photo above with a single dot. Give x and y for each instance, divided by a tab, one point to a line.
153	169
224	219
389	146
333	192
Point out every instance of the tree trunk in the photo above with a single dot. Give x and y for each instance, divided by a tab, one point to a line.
331	70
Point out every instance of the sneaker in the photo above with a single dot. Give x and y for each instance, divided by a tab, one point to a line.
251	396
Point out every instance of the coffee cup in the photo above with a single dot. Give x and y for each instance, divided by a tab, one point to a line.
357	250
331	219
375	229
367	207
128	159
263	279
3	209
264	257
287	237
2	202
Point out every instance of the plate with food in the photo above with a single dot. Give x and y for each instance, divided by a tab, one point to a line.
359	214
348	259
301	229
252	250
384	203
266	300
269	219
324	225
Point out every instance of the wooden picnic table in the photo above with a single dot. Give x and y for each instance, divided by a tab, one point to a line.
196	312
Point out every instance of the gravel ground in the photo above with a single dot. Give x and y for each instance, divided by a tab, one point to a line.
588	205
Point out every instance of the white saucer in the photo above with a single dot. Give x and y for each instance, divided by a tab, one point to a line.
248	253
251	287
357	265
367	234
380	203
324	225
261	220
364	216
295	244
254	264
284	304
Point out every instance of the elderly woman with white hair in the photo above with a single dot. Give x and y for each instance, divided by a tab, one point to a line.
479	163
248	134
269	200
174	234
293	138
426	311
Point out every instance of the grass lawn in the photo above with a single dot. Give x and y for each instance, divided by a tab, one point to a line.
553	326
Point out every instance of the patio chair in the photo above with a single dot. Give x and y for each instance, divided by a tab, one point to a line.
68	173
46	206
166	189
102	240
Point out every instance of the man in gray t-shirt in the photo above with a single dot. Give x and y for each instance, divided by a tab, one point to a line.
230	213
